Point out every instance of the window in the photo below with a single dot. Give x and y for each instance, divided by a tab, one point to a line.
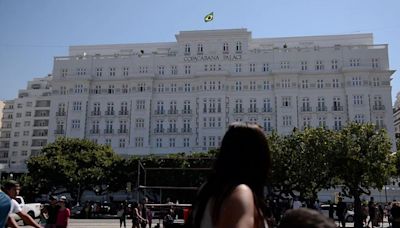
375	63
238	86
267	85
161	70
139	142
287	121
174	70
304	84
107	142
24	153
267	124
303	65
319	65
64	72
143	69
139	123
284	64
171	142
81	71
306	122
285	83
199	49
26	133
186	142
267	105
321	104
187	87
225	48
77	106
173	88
265	67
19	105
124	88
76	124
378	103
375	81
63	90
16	134
160	107
95	127
122	143
335	83
159	126
322	121
337	104
27	123
123	126
18	124
286	101
320	83
78	88
252	67
109	127
110	109
159	142
379	122
334	64
187	49
238	67
125	71
253	105
187	69
356	81
28	104
337	123
238	106
111	89
359	118
252	85
357	99
19	115
305	104
354	62
186	125
99	72
160	88
238	47
97	89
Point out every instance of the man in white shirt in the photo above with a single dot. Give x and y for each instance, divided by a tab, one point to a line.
11	188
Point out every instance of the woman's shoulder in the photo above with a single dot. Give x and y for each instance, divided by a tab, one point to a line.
240	199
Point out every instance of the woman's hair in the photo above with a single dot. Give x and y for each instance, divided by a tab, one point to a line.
243	158
305	218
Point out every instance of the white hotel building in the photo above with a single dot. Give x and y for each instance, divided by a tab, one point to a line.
158	98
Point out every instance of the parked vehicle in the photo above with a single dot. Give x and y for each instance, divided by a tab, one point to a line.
32	209
325	211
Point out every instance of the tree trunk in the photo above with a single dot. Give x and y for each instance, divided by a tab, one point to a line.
358	219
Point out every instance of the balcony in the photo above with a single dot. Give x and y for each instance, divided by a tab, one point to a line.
159	130
337	108
267	109
253	110
306	109
95	113
172	112
123	131
322	109
59	132
108	131
61	113
94	131
186	111
123	112
172	130
186	130
238	110
109	113
378	107
159	112
5	136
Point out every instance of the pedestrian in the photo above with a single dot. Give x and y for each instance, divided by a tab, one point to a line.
233	194
395	212
331	209
52	211
5	207
137	219
364	211
317	206
305	218
371	212
144	213
63	213
121	214
341	210
12	188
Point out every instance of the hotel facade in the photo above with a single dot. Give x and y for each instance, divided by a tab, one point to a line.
158	98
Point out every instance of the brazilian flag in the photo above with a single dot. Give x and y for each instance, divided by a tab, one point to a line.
209	17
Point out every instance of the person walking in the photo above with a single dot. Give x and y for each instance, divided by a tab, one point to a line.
121	214
137	219
52	211
233	194
341	210
63	213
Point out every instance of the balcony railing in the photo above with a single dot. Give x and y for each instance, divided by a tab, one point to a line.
123	131
252	110
94	131
159	112
378	107
337	108
322	109
172	130
109	113
238	110
108	131
306	109
186	111
59	132
172	112
123	112
186	130
62	113
267	109
95	113
159	130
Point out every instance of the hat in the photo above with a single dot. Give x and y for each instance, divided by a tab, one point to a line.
63	198
53	198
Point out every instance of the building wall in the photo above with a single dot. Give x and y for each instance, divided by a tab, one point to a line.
25	124
342	78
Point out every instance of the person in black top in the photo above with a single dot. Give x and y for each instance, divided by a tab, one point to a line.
331	209
371	212
52	211
395	212
341	209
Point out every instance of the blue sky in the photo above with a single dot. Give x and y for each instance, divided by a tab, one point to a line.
32	32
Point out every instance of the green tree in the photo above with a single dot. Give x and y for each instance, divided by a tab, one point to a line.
76	164
361	160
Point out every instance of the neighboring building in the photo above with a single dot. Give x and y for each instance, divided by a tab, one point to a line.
1	111
25	125
180	96
396	115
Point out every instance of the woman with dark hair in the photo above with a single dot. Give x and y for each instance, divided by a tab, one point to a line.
137	219
233	194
